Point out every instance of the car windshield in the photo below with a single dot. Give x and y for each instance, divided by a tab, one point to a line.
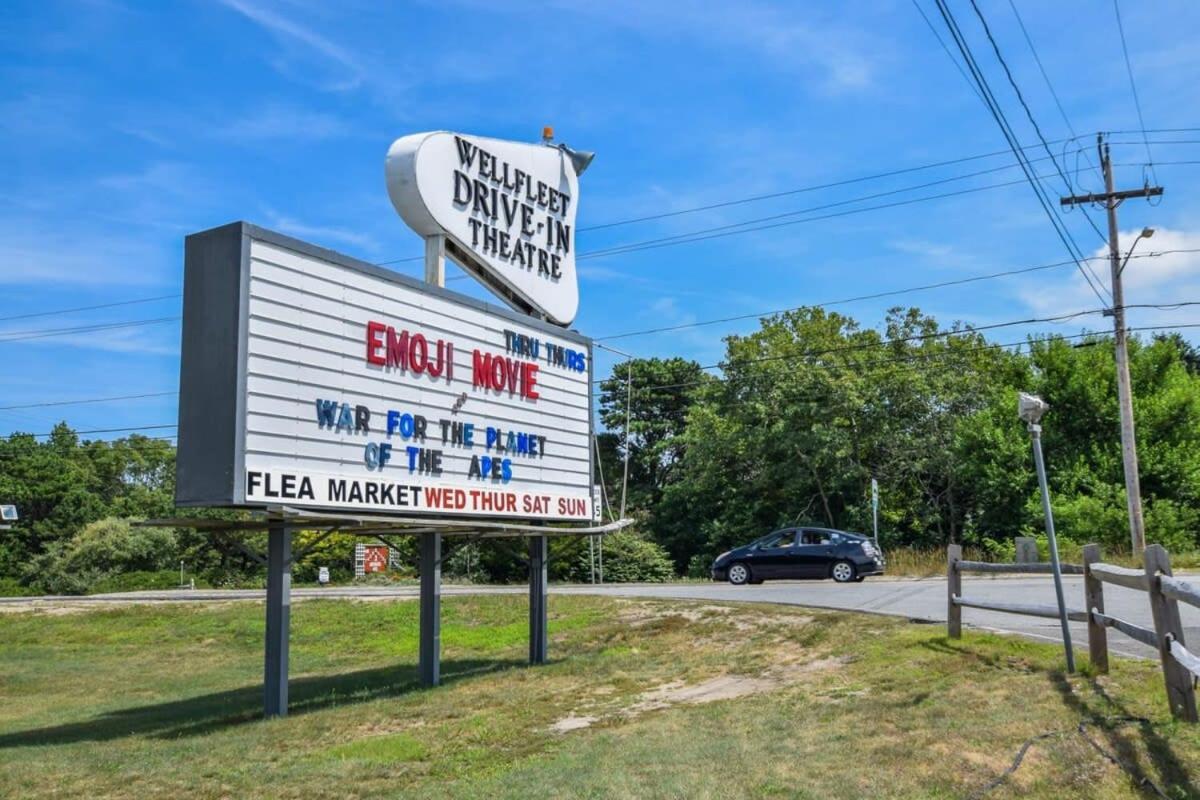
779	539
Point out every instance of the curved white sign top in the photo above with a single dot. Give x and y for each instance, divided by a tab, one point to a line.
507	210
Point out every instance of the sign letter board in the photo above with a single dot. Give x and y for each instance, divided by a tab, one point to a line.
316	381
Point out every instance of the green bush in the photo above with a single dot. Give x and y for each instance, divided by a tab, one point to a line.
628	558
135	581
11	587
699	566
102	550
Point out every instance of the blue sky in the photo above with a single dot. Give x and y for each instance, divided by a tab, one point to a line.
126	126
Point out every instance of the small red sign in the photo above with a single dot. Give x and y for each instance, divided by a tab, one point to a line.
375	559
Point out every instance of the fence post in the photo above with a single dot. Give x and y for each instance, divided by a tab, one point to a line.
1093	589
1167	625
953	590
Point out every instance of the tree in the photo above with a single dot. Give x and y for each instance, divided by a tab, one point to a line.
663	391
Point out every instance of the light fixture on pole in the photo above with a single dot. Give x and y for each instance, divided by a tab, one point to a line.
1031	409
1145	234
580	159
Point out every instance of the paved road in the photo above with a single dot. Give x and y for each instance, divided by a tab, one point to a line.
923	599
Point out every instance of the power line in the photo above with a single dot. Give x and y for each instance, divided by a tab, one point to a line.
901	340
876	295
946	50
702	235
1037	129
111	430
1046	78
1137	103
722	231
21	336
942	356
88	400
998	115
810	209
91	308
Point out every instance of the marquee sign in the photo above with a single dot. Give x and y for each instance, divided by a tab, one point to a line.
313	380
506	208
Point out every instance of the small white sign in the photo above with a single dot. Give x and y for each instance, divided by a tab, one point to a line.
323	575
8	513
507	208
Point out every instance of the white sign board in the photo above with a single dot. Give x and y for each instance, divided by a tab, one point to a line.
312	380
507	209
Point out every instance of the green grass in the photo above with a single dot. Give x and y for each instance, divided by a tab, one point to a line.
164	701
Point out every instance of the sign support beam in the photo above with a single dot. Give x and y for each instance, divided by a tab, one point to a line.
429	666
539	547
435	260
279	609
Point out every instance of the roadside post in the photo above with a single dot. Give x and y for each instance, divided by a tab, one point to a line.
875	511
1030	409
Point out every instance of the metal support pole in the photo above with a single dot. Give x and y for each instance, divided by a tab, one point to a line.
628	410
435	260
429	665
279	609
875	511
1035	433
539	548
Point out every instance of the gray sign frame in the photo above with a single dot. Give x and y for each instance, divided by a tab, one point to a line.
210	466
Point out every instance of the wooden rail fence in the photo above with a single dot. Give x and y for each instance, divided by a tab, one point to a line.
1164	592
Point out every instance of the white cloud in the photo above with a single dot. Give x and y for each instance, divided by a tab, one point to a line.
304	47
1160	272
321	233
283	122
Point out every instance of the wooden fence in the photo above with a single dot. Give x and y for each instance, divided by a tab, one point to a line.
1164	593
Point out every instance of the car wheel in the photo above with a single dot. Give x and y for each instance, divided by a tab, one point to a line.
843	572
739	574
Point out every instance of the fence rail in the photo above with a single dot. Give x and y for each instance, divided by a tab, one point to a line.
1121	576
1180	590
1143	635
1164	592
1029	610
1037	568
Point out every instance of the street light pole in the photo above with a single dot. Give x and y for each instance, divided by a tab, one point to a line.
1111	199
1133	487
1031	409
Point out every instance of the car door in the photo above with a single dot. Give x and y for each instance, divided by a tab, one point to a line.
773	557
815	553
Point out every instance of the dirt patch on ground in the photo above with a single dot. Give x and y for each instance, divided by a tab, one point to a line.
572	723
724	687
56	609
638	614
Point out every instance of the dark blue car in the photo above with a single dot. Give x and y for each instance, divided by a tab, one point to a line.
801	553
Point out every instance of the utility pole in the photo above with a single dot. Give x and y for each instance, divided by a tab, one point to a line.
1110	199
